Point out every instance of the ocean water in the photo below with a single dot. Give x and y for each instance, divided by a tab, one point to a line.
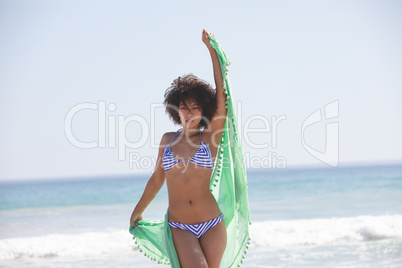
329	217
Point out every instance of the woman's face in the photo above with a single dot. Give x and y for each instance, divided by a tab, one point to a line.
190	114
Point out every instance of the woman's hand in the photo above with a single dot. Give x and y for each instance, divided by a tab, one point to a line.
205	38
135	216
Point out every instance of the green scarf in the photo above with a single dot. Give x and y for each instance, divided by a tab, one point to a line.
228	185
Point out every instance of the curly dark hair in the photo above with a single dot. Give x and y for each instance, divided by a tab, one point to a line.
190	87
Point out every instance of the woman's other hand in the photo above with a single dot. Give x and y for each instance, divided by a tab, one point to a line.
205	38
135	216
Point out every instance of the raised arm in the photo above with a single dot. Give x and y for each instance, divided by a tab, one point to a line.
219	119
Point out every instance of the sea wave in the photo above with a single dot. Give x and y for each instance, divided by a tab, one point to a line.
267	235
74	245
326	231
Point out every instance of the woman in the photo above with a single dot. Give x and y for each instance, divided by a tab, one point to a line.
186	160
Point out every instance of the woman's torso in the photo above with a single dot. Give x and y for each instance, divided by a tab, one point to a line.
190	200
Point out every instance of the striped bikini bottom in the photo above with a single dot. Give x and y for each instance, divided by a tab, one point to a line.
197	229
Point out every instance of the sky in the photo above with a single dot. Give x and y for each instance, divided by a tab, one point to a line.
82	82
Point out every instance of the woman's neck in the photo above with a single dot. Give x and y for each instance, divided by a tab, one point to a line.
190	132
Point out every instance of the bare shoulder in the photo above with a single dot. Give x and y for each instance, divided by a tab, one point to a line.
211	138
166	137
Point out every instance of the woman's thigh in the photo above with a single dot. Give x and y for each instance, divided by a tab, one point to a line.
188	249
213	244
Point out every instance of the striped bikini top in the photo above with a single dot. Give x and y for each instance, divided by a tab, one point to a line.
202	157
